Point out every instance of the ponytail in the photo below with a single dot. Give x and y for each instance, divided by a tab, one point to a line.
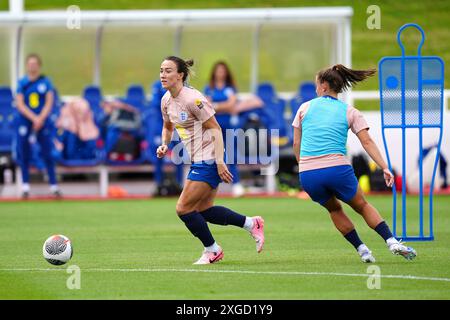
340	78
183	66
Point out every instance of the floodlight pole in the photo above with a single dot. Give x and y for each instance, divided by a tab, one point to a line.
344	55
255	59
98	55
16	6
177	40
16	9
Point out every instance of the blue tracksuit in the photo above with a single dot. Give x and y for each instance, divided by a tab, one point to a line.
34	93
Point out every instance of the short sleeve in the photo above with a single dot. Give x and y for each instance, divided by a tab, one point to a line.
201	108
297	123
229	91
164	113
356	120
49	84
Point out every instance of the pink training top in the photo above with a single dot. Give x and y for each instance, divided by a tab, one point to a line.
187	112
356	123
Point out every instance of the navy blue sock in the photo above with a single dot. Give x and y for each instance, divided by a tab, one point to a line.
197	225
383	230
353	238
223	216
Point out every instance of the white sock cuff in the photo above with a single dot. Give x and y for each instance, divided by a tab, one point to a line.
391	241
213	248
362	248
248	225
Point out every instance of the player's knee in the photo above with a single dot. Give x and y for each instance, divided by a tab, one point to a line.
336	211
179	209
182	209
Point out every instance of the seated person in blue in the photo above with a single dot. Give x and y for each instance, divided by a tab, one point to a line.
221	91
34	102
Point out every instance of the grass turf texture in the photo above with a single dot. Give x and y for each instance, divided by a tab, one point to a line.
146	234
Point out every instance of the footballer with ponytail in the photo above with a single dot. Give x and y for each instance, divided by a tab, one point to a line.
340	78
321	127
183	66
189	112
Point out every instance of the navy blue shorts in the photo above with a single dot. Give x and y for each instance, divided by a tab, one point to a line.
322	184
206	172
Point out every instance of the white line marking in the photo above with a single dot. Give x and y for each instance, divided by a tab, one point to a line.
277	273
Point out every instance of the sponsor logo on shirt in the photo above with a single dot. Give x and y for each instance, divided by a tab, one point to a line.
199	103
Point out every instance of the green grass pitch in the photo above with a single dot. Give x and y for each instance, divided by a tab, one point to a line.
140	250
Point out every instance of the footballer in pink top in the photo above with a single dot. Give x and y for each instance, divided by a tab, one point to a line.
320	136
186	110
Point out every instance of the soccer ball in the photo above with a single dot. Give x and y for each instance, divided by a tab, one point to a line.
57	249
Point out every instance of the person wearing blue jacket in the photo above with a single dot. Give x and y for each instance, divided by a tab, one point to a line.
34	101
221	91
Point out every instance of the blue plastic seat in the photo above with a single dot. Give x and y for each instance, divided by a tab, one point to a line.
7	114
306	92
266	92
262	118
136	97
276	107
93	95
5	95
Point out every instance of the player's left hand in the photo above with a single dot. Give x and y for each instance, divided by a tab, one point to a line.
388	177
224	174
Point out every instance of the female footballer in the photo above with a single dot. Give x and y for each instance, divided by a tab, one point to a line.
187	110
320	138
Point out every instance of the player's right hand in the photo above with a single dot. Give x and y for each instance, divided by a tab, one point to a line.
162	150
224	173
388	177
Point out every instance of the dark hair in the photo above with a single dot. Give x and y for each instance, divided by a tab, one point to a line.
340	78
34	56
183	66
229	80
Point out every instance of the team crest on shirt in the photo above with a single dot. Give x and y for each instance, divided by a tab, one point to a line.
42	87
183	116
199	103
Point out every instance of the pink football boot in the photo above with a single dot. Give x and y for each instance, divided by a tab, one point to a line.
258	232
